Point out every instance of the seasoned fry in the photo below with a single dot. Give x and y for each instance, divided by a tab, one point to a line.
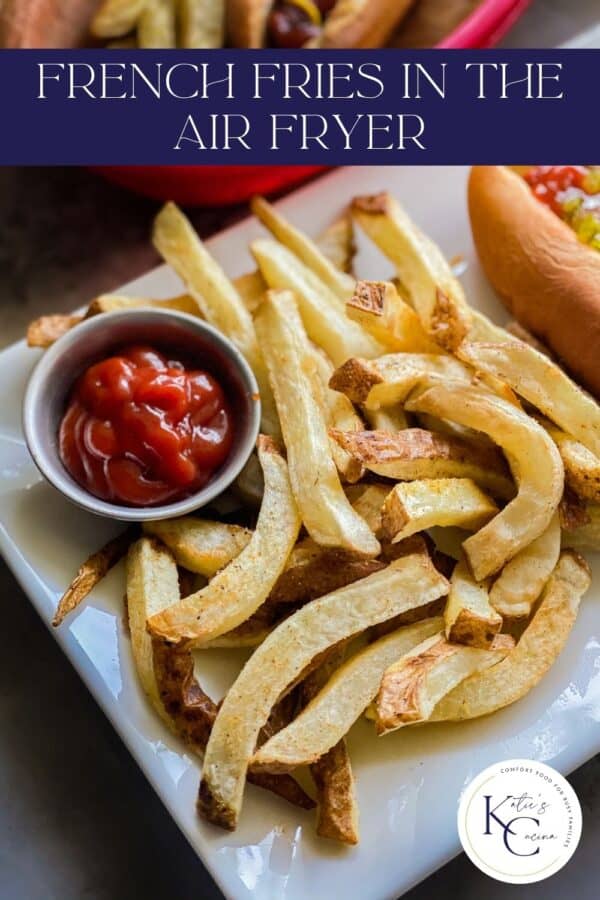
44	331
332	773
182	249
537	649
408	582
331	714
437	296
587	535
326	513
413	685
303	247
320	572
237	591
469	617
200	545
417	505
533	459
543	384
156	25
201	24
115	18
322	311
414	454
380	310
522	580
91	572
390	379
337	243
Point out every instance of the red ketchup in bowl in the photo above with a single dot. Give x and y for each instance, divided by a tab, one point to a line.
143	428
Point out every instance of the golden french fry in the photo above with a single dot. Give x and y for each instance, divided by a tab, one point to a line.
201	24
414	506
582	467
469	617
331	714
587	535
406	583
221	305
380	310
322	311
533	458
543	384
111	302
115	18
326	512
238	590
367	500
340	413
414	454
437	296
387	418
303	247
252	288
522	580
337	243
44	331
537	649
156	25
200	545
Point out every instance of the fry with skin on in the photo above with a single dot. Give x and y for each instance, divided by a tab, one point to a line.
217	298
200	545
587	535
532	456
303	247
238	590
415	453
91	572
379	309
413	685
323	313
326	512
522	580
435	293
44	331
331	714
406	583
414	506
543	384
115	18
367	500
340	413
537	649
469	617
582	468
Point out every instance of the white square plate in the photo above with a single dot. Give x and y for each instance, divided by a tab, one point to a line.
409	783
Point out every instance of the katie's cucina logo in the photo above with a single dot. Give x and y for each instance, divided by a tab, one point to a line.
519	821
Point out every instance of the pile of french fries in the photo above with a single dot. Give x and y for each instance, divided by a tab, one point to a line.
160	24
402	545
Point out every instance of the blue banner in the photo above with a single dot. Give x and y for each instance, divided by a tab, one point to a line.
383	107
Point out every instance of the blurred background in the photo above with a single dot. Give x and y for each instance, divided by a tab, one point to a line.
77	818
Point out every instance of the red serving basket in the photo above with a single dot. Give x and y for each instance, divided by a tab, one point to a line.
224	185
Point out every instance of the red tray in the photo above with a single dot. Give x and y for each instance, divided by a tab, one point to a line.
224	185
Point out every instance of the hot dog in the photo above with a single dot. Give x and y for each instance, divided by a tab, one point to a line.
537	233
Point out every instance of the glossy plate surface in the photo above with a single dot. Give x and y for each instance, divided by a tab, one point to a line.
409	782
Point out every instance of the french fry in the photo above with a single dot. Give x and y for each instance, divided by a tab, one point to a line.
331	714
582	468
337	243
537	649
367	500
326	513
413	685
469	617
437	296
390	379
322	311
156	25
250	484
319	572
543	384
414	454
340	413
44	331
533	458
417	505
522	580
115	18
91	573
303	247
217	298
380	310
387	418
111	302
252	288
238	590
408	582
201	24
200	545
585	536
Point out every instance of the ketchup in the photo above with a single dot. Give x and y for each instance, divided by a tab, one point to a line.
143	428
550	183
573	193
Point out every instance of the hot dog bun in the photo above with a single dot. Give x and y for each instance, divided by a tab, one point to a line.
547	278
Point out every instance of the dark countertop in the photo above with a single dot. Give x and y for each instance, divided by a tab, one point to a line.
77	818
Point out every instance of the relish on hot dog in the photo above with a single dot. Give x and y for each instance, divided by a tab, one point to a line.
537	234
